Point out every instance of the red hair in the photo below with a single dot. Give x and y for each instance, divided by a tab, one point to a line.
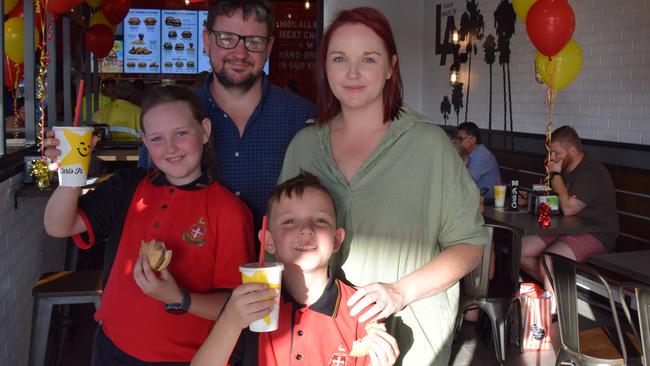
327	106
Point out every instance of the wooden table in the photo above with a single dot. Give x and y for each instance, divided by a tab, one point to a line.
635	265
526	224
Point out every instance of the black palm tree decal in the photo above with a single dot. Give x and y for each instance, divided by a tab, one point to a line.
504	21
457	99
471	29
489	50
445	108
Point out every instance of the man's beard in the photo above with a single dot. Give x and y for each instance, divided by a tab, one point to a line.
244	85
566	162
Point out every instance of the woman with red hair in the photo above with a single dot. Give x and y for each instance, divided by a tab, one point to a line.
401	191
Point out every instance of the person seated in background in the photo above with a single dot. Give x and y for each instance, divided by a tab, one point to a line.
302	235
17	131
585	189
122	116
482	165
106	95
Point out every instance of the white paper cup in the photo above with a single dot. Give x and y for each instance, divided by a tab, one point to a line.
499	195
270	274
75	146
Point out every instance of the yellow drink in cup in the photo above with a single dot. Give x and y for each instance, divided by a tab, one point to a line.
270	274
499	195
75	146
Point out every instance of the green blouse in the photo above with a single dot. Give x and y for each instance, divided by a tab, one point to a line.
410	200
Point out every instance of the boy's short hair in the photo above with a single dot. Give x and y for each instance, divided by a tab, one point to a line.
297	186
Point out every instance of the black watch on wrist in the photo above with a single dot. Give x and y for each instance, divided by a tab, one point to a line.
553	174
182	307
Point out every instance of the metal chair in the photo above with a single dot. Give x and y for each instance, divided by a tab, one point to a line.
642	332
59	288
563	278
496	296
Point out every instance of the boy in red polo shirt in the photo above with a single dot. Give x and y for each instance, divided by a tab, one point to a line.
311	328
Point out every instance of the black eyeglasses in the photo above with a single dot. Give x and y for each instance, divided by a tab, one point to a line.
229	40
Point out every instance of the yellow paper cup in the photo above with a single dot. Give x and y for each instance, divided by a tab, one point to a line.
499	195
270	274
75	146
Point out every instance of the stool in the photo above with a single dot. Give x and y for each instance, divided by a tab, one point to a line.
59	288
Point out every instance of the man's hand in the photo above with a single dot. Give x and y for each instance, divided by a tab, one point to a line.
554	166
386	297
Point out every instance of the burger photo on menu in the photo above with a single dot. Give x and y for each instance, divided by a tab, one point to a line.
190	64
169	20
134	21
130	64
179	64
150	21
179	46
172	34
186	34
167	46
139	51
142	64
153	64
176	22
169	64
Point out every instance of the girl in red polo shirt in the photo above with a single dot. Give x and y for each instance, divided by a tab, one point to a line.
147	317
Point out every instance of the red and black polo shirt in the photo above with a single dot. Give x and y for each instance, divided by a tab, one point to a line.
210	233
321	334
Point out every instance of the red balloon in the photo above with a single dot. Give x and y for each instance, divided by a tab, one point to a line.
18	11
550	25
115	11
61	6
10	73
99	39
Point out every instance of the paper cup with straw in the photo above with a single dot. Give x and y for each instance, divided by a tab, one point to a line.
75	146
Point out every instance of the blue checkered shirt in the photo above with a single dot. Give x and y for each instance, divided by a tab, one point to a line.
249	165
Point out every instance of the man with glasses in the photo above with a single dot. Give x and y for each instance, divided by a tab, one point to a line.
482	165
253	121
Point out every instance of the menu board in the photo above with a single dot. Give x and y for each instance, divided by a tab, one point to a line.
179	41
204	60
114	62
142	41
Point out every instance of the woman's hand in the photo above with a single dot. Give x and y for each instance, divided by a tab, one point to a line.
383	349
163	288
250	302
385	298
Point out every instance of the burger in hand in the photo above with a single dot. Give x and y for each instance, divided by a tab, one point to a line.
159	257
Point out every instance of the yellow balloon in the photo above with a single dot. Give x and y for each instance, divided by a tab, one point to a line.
565	65
521	8
14	39
98	17
94	3
9	5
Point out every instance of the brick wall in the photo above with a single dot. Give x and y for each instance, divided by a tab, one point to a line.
609	100
25	252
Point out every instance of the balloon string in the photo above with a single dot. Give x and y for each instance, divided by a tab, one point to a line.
550	100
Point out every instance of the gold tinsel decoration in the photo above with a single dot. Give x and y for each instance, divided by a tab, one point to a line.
41	174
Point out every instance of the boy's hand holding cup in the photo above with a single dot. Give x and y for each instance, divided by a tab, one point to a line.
250	302
270	274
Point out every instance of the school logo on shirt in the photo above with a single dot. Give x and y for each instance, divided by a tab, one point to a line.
340	358
194	235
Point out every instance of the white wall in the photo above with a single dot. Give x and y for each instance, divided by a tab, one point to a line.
609	100
25	252
406	21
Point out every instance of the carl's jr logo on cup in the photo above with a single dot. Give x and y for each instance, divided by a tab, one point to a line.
75	146
260	277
